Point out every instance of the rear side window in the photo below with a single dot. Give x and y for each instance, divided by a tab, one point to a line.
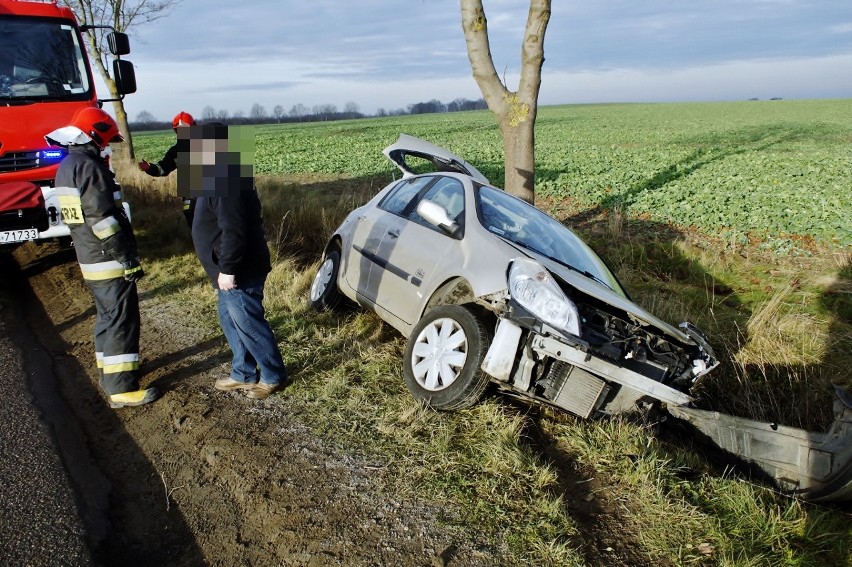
399	199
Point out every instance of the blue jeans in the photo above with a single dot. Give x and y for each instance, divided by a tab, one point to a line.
243	321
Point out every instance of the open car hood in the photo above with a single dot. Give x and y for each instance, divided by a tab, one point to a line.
442	159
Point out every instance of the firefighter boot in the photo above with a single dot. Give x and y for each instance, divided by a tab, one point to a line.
137	398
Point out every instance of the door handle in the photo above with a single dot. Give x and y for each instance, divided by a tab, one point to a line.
393	233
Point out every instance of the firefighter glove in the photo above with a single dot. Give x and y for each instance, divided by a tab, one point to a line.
133	271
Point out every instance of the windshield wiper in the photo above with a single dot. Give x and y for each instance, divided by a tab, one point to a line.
18	101
25	101
586	273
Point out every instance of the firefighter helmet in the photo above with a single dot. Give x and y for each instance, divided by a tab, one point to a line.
97	125
183	119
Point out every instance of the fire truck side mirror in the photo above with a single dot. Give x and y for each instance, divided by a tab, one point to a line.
119	43
124	75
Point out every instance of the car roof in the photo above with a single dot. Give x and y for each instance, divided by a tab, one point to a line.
442	159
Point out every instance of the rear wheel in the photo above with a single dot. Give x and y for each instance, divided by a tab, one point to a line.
325	294
443	356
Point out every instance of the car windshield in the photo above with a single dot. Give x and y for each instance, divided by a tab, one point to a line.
41	59
528	227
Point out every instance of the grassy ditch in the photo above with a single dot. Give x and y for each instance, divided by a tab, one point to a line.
558	490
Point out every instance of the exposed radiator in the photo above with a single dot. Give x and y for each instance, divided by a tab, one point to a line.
574	389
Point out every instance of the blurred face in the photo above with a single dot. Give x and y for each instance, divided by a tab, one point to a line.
205	151
207	167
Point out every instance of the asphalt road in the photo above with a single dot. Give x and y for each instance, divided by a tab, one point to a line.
40	519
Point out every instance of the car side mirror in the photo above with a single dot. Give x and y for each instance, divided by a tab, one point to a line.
436	215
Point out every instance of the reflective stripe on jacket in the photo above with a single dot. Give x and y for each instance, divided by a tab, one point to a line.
103	237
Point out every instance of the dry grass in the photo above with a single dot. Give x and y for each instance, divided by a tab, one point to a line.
300	213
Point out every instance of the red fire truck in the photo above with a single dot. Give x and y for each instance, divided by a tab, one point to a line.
45	77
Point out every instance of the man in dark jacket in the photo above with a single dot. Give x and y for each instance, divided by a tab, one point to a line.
169	162
227	231
89	200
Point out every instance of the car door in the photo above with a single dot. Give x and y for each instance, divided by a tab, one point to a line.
371	234
413	253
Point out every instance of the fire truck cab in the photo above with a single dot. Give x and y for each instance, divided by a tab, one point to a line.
45	77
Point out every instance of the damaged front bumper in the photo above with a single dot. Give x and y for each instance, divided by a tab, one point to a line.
550	369
557	371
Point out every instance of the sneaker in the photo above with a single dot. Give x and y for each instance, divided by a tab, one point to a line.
137	398
262	390
228	384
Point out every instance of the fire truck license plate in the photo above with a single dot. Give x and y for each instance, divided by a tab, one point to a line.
18	235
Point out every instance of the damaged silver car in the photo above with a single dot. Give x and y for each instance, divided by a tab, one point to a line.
489	289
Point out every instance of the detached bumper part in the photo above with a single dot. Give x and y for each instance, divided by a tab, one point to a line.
813	466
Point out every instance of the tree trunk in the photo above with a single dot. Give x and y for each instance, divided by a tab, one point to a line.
124	128
519	159
515	111
117	105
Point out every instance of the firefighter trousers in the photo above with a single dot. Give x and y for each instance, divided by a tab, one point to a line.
116	334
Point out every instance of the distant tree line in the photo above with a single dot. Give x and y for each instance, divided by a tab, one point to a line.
258	114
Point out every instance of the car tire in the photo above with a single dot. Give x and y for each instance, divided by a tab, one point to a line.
443	357
325	294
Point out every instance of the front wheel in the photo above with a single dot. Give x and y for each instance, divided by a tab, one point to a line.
443	356
325	294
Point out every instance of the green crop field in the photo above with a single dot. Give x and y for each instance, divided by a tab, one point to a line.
770	169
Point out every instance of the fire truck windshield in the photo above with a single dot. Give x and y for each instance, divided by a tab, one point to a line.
40	60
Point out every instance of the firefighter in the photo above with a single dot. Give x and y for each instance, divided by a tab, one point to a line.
169	162
89	199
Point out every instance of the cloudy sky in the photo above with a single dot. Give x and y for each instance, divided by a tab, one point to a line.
391	53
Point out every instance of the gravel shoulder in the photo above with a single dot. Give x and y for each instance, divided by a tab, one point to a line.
39	516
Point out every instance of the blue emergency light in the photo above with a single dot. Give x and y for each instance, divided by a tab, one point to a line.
51	156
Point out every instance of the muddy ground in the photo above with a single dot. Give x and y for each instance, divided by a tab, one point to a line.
208	477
